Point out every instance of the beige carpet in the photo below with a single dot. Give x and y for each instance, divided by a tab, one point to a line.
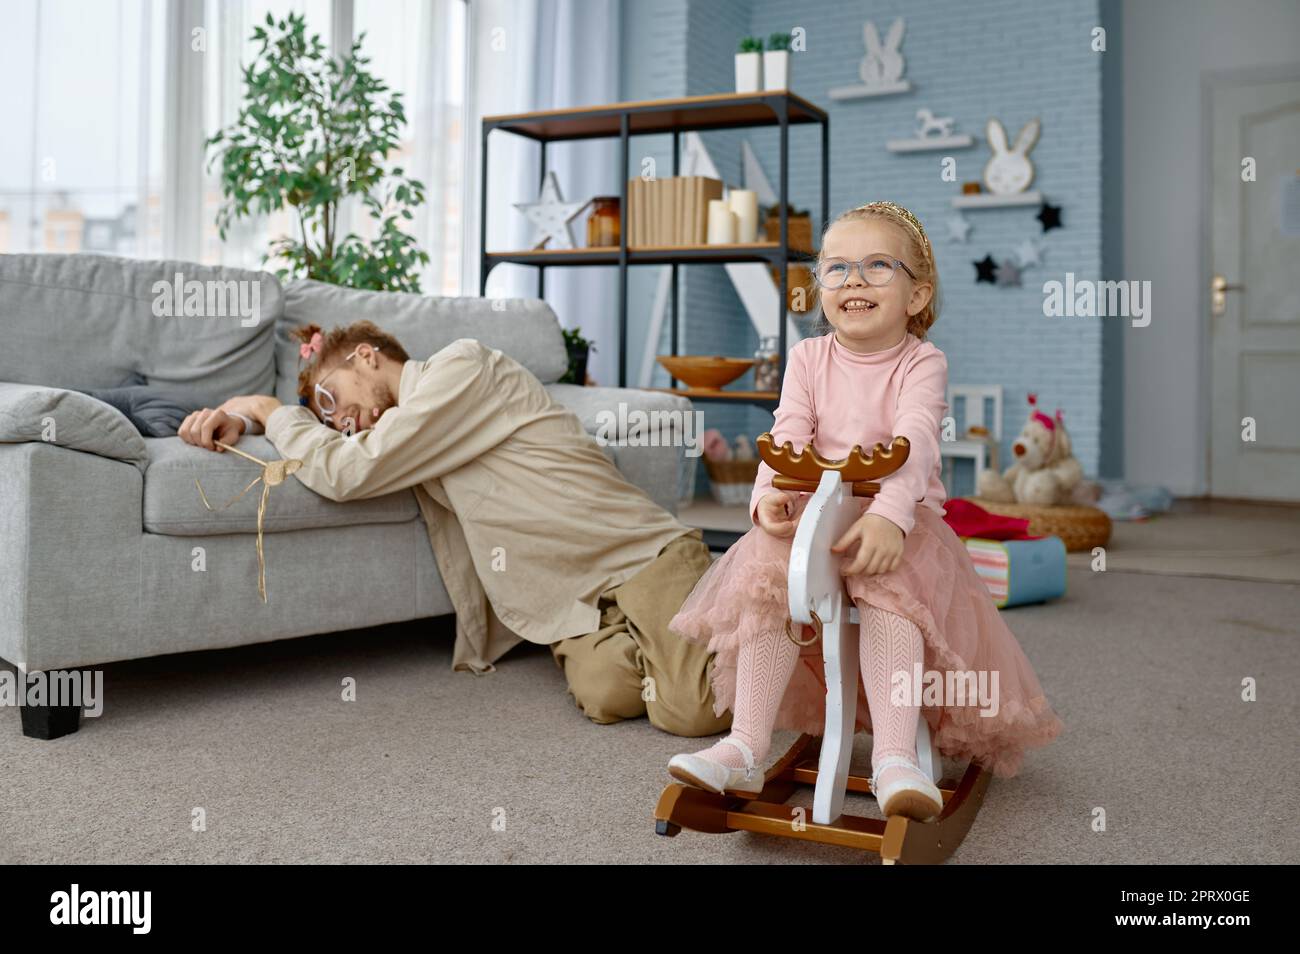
1145	672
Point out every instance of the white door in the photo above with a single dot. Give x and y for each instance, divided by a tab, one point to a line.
1254	326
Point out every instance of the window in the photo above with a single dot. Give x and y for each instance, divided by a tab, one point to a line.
80	166
85	150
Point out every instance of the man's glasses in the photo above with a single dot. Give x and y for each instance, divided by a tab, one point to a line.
876	270
325	400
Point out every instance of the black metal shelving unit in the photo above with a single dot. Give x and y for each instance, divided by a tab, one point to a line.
780	108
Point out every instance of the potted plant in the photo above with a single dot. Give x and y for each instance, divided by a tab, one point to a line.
776	62
749	64
578	348
312	131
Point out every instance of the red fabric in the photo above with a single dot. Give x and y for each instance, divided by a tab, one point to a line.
968	519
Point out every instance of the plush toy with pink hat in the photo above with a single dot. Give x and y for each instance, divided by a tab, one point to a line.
1045	472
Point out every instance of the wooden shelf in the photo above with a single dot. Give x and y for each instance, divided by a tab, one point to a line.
682	114
781	109
650	254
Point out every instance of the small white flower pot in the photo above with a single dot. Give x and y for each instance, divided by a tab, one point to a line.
748	68
776	69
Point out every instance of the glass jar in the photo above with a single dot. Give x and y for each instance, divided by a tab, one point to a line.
603	225
767	365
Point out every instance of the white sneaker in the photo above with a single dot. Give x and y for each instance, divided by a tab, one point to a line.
701	772
911	794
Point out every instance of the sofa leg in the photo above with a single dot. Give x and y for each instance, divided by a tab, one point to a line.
48	721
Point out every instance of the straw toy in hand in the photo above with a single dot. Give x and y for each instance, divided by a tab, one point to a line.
274	473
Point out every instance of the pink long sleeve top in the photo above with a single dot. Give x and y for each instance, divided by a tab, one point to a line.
836	398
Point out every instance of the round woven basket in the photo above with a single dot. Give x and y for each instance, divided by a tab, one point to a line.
732	481
1082	528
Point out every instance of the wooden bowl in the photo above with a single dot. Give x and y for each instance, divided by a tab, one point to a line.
705	371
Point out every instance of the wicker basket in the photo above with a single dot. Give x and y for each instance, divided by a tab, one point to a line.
1082	528
732	481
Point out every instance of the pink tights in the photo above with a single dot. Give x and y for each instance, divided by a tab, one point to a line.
889	643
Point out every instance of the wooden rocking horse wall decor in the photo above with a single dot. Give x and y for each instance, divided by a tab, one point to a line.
817	597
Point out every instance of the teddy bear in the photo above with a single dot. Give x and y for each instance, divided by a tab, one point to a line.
1045	473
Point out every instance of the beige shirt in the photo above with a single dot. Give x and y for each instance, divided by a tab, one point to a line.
529	521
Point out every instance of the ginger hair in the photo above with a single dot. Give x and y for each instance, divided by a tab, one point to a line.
337	344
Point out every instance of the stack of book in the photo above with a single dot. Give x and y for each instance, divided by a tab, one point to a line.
673	211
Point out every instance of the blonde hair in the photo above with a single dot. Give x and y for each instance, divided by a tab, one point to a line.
919	252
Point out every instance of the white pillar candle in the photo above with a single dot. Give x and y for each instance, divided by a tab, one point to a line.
722	223
744	202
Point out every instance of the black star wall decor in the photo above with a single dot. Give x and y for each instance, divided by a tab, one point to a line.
1050	216
985	270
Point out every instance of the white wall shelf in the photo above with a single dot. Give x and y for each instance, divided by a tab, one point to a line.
985	200
860	91
963	141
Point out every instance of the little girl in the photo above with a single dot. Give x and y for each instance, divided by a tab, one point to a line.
871	377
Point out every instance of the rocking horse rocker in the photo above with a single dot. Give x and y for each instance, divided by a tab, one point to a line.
817	597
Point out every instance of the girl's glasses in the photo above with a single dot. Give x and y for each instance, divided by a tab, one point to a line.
876	270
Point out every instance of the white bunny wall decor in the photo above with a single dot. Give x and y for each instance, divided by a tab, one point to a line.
1009	170
883	64
881	68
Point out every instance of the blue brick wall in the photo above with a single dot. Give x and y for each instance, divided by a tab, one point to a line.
1013	59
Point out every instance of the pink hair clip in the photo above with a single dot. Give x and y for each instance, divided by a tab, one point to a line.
308	348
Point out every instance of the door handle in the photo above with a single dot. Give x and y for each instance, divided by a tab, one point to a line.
1219	287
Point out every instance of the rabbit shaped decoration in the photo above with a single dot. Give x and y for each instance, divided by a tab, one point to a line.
1009	171
883	64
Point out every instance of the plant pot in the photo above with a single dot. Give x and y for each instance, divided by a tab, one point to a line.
577	373
749	66
776	69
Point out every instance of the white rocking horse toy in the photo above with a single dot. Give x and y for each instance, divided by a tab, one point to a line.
817	597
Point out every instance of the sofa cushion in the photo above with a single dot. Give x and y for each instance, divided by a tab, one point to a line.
172	504
68	419
92	321
524	328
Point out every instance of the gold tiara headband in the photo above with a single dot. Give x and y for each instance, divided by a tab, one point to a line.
897	212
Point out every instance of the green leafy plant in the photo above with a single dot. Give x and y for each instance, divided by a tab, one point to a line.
578	348
779	41
751	44
312	131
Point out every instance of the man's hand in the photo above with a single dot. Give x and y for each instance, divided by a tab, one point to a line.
203	428
881	547
774	513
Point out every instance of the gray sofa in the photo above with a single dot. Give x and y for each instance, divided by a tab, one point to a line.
106	551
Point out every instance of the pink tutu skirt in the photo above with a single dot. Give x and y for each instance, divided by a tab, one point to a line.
935	586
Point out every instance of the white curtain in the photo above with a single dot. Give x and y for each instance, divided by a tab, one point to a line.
528	56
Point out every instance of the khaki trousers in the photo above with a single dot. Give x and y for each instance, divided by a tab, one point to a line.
634	665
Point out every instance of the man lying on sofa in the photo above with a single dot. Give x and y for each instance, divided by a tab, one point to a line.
536	533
